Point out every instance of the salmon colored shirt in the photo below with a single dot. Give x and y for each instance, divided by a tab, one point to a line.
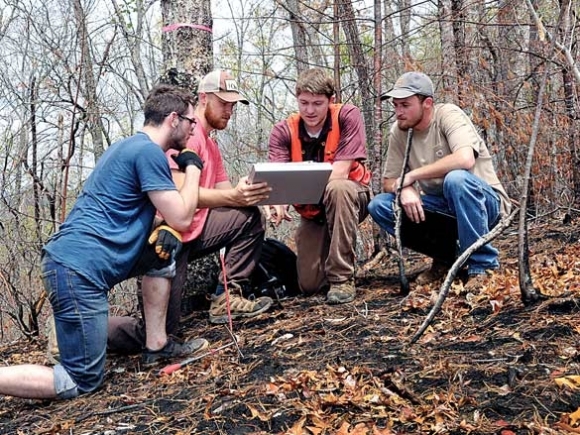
213	172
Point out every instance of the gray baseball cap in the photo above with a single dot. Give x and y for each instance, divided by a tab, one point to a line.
410	83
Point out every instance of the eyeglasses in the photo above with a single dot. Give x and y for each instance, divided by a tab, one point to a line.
192	121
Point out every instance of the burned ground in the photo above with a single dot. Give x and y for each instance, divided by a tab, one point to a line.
486	365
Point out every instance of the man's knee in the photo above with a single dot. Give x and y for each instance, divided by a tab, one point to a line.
251	218
340	188
381	205
310	285
455	179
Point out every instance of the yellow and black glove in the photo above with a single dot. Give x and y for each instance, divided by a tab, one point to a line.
187	157
167	241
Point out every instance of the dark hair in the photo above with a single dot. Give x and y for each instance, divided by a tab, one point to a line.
163	100
423	97
315	81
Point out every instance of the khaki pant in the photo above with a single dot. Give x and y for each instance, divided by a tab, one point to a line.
326	251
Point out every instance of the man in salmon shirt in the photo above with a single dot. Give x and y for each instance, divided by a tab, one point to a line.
227	216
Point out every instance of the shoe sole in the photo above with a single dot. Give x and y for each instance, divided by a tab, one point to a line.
204	345
218	320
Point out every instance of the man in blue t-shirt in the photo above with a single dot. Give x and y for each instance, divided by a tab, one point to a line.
100	243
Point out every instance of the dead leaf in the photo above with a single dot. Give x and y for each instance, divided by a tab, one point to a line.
574	417
256	413
572	382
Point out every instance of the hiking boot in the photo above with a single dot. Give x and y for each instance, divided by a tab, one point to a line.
476	283
239	306
341	293
173	350
436	272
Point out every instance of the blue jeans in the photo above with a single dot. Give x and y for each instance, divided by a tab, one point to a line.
80	317
466	196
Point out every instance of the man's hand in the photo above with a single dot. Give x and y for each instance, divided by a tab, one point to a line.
280	213
167	241
407	181
247	194
412	205
186	158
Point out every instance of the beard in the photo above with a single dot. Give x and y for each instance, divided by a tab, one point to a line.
178	140
406	124
214	121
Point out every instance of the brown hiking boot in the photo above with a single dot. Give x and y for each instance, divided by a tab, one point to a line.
437	271
239	306
476	283
341	293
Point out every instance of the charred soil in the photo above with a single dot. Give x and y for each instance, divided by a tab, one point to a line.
486	365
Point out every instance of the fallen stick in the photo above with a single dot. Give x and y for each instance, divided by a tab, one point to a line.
446	286
167	370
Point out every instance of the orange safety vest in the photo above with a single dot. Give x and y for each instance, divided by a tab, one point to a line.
358	171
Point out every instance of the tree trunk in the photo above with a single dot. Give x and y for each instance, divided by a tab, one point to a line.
188	56
448	55
570	100
92	113
298	36
186	42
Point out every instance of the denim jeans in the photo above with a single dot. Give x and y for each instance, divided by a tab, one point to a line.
80	317
466	196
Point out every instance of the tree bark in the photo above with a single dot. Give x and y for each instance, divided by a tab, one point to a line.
448	54
186	42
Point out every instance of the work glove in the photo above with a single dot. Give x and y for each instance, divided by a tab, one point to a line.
167	241
187	157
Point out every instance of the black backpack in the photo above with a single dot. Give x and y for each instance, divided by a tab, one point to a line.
276	275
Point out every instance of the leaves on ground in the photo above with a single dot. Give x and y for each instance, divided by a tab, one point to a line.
486	365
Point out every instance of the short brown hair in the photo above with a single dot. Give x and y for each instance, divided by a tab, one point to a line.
163	100
315	81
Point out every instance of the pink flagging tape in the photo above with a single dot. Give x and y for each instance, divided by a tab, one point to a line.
175	26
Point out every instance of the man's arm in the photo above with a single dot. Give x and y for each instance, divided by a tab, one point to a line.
352	143
225	195
340	169
178	207
463	158
410	198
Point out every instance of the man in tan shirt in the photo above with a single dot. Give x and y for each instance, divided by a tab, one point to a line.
449	170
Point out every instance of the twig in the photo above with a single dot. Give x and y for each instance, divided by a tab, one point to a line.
373	262
444	291
398	216
529	294
116	410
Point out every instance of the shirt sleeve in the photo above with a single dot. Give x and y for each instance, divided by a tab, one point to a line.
352	143
153	171
458	129
395	154
279	143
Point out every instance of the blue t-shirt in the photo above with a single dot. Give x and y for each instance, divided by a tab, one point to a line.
110	222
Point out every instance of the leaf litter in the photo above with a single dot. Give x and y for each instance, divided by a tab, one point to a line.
486	365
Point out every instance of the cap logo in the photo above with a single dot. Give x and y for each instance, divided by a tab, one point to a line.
400	82
230	85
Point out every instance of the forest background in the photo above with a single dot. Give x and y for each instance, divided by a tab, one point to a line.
75	73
